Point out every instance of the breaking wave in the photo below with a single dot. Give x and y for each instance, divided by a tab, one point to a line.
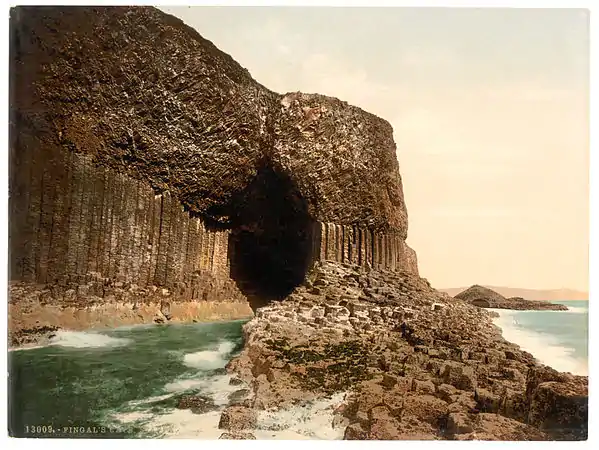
576	310
546	348
86	339
210	359
310	421
216	387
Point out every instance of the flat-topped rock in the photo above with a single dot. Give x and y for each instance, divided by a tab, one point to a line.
487	298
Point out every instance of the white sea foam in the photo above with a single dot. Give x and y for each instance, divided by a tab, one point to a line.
149	400
210	359
311	421
216	387
576	310
544	347
131	417
136	326
183	424
26	347
86	339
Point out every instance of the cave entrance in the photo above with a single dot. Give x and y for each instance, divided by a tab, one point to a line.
271	238
481	303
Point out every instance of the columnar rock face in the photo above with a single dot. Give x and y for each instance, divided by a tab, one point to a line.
79	219
140	153
364	247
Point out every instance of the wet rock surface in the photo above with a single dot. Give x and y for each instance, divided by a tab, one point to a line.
414	363
487	298
37	335
236	418
198	404
237	435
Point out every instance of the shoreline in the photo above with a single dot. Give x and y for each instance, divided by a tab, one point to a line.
418	364
33	325
544	347
415	364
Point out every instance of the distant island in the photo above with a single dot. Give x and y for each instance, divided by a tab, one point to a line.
484	297
529	294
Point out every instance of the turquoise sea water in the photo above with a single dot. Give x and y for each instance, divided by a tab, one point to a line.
109	384
127	382
556	338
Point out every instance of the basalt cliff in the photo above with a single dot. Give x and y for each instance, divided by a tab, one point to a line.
153	179
148	167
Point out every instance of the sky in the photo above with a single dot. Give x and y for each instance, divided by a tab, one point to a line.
490	115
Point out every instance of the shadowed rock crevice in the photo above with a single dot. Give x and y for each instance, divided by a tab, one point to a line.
481	302
271	242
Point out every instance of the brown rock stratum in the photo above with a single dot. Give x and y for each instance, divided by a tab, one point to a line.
140	154
413	363
152	180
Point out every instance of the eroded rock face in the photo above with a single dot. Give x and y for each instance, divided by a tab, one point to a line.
141	154
197	404
409	370
147	95
558	401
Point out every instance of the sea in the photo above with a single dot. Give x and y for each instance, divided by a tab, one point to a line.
126	383
558	339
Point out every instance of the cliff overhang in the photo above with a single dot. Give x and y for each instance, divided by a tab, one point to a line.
142	154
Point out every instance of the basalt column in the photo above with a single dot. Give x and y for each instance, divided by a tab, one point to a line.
364	247
143	156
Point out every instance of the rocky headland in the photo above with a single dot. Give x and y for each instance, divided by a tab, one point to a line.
487	298
414	364
152	179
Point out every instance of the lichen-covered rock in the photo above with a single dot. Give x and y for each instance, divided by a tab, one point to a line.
240	435
238	418
560	407
397	387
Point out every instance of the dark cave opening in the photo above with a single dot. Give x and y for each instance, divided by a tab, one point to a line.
270	243
482	303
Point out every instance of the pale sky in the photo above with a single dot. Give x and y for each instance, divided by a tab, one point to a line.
490	112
